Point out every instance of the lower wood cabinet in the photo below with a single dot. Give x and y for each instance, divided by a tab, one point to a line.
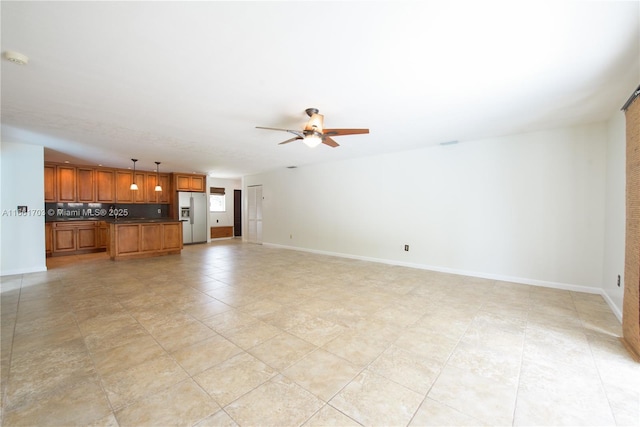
103	234
129	240
48	239
221	232
73	237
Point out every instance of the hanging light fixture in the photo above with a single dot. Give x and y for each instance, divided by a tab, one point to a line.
134	186
158	187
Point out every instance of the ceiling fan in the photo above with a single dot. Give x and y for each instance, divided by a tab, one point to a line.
313	133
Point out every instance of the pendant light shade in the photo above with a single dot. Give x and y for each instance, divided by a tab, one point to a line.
158	187
134	186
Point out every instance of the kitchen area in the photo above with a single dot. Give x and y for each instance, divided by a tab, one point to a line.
126	213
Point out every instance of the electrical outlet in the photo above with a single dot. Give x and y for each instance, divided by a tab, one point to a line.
406	248
618	280
159	211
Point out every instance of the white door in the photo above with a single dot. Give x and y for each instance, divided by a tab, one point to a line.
254	214
199	220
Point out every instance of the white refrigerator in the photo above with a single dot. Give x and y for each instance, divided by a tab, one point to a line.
193	214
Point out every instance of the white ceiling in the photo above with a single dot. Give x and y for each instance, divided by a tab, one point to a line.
185	83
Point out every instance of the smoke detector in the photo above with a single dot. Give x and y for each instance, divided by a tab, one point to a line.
16	57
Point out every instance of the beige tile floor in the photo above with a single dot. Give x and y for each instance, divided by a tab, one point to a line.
230	334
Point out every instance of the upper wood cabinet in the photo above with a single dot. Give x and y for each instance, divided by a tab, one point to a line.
165	194
50	185
139	195
124	193
186	182
85	184
86	188
153	196
124	179
105	186
66	181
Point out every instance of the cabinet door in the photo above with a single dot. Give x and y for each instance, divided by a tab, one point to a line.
197	183
64	239
123	186
183	183
138	196
50	183
172	236
103	235
105	186
48	243
152	195
150	237
86	184
165	194
86	238
66	183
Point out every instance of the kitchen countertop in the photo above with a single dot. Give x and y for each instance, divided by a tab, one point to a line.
111	220
127	220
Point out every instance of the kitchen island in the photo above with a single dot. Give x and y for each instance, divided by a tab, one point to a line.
131	238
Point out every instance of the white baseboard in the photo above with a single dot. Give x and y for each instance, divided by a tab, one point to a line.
512	279
23	271
614	308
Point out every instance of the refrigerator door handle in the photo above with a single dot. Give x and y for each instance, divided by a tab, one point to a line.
191	209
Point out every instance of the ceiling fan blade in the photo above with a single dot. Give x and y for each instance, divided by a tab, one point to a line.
315	123
337	132
262	127
330	142
290	140
295	132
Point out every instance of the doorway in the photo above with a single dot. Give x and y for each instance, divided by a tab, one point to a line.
237	213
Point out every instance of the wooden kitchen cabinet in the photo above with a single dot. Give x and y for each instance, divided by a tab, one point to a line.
124	193
66	183
86	184
153	196
86	188
186	182
129	240
139	196
74	237
50	193
102	235
123	186
48	243
165	194
105	186
86	237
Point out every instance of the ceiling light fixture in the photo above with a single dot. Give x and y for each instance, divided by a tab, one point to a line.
312	140
158	187
16	57
134	186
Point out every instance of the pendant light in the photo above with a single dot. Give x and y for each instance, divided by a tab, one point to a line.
158	187
134	186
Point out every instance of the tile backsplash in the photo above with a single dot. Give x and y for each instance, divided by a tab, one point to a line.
100	211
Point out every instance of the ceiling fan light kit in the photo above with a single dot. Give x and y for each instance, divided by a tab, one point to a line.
314	134
312	140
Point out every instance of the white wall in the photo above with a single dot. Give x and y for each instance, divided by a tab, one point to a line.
527	208
614	243
223	218
22	242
